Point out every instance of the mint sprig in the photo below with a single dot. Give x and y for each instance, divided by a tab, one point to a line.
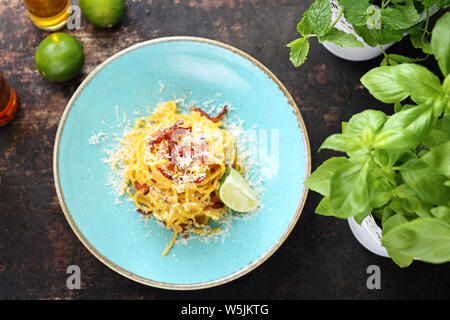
317	22
375	25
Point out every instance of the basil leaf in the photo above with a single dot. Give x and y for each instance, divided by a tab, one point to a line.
319	180
446	93
342	142
382	84
440	133
361	216
417	120
424	209
440	43
319	16
402	260
398	107
392	222
426	182
427	239
398	139
368	118
382	193
344	126
386	214
391	84
324	208
386	158
438	158
341	38
418	81
441	212
350	190
299	51
408	203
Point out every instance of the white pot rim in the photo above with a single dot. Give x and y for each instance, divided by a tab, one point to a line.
368	235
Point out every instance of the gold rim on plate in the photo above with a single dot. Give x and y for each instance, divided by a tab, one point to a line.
131	275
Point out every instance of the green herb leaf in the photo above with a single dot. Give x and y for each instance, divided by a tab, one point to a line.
319	16
386	158
395	19
386	213
417	120
341	142
319	180
382	84
355	11
439	134
391	84
402	260
369	35
427	239
398	107
341	38
361	216
395	59
398	139
386	35
392	222
437	3
426	182
441	212
359	122
442	3
299	51
440	43
350	190
303	27
419	41
382	192
324	208
409	11
438	158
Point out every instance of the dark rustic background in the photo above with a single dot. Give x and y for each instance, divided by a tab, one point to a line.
320	259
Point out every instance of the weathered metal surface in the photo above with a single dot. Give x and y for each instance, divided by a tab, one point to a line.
320	259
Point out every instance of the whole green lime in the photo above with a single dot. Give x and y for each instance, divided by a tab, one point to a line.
103	13
59	57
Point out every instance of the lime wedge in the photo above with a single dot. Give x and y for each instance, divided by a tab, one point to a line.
236	193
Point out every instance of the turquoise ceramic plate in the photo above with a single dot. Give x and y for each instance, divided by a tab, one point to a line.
136	80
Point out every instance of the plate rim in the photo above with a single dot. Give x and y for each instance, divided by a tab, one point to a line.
150	282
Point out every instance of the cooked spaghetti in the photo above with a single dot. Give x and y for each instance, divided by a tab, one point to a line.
173	165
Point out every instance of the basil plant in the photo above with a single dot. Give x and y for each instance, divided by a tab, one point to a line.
397	167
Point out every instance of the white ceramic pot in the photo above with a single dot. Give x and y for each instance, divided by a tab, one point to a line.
369	235
357	54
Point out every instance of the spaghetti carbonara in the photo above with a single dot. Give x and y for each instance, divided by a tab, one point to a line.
173	166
